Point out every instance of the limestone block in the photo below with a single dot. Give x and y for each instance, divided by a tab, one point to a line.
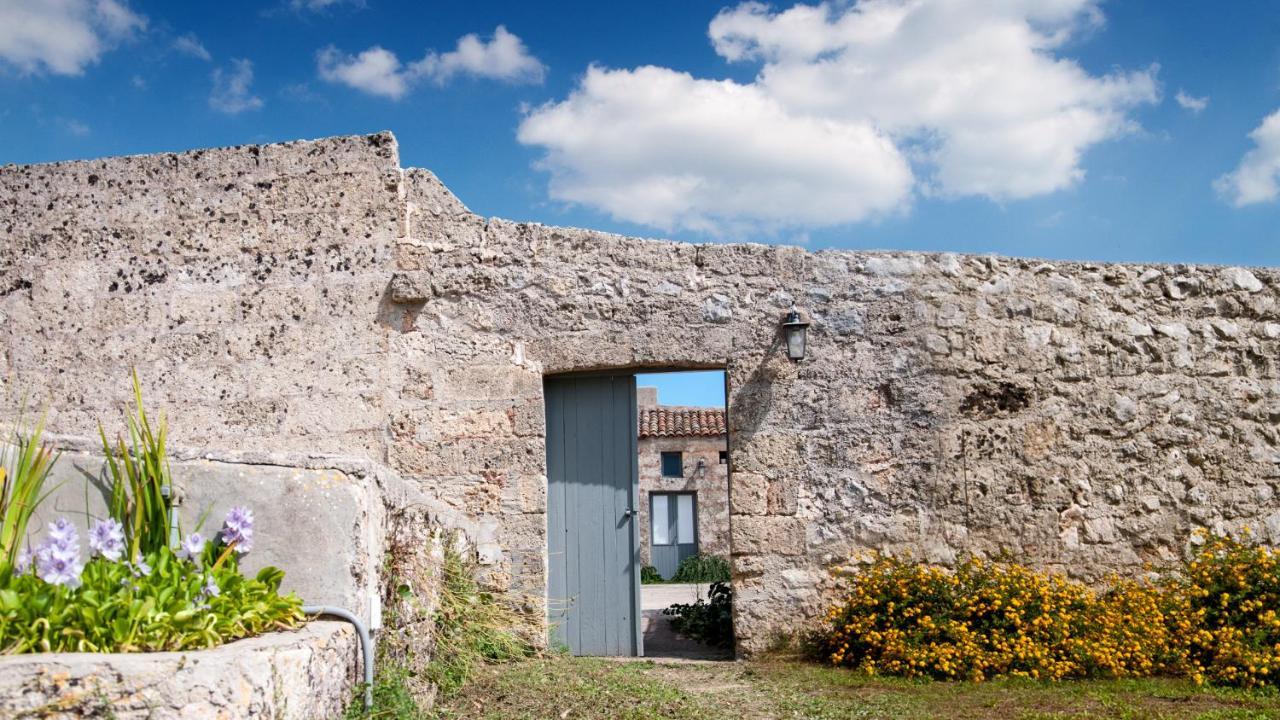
782	495
411	286
533	493
529	418
748	493
1224	328
717	309
1242	279
1124	408
488	382
768	535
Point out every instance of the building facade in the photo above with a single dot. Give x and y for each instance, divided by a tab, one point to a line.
684	482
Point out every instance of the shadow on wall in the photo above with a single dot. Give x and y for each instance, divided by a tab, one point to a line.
750	404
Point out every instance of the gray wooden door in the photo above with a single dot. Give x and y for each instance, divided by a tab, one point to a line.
592	539
673	535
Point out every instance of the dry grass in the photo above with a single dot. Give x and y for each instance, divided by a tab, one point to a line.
567	688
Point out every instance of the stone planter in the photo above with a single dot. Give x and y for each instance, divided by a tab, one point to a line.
307	673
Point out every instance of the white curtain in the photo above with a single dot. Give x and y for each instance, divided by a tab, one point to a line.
661	520
684	519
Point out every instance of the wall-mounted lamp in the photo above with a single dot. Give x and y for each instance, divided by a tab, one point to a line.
793	331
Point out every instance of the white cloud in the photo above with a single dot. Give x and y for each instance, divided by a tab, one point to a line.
1257	178
189	44
74	127
1189	102
662	148
1053	219
504	57
956	98
302	92
62	36
378	71
232	91
321	5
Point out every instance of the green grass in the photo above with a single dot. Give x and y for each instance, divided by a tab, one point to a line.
585	688
392	697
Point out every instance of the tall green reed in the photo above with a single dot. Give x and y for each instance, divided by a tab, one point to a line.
25	463
140	479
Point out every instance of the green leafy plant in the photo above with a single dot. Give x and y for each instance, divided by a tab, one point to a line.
160	603
24	467
649	575
392	696
140	480
702	568
709	621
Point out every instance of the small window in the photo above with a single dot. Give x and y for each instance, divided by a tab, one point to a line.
672	464
724	457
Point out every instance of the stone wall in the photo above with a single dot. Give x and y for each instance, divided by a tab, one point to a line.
244	284
313	296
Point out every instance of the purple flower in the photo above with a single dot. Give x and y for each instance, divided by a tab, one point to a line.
58	557
238	529
23	562
59	570
106	538
192	548
141	568
62	531
210	589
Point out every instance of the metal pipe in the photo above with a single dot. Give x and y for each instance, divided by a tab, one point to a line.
366	647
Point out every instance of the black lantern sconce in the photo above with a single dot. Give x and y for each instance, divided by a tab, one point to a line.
793	332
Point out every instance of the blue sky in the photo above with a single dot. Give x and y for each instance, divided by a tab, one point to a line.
1045	128
697	388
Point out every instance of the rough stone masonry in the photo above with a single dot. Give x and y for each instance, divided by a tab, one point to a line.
315	297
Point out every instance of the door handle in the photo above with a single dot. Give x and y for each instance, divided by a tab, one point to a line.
628	513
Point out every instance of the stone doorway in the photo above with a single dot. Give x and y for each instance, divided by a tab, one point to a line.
683	462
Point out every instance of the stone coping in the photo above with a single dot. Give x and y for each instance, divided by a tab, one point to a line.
311	672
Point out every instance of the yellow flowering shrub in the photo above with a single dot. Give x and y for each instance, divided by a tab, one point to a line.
1224	607
1215	620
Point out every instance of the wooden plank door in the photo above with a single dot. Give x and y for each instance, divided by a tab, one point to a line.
592	540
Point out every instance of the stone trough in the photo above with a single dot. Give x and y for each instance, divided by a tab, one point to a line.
306	673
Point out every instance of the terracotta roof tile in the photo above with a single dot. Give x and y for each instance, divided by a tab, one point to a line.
681	422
